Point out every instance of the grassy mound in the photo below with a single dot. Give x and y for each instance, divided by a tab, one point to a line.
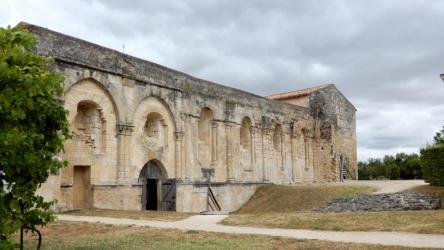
279	207
291	198
423	221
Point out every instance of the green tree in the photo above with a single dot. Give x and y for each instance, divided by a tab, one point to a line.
409	165
363	171
33	126
432	164
391	168
439	137
401	166
376	169
432	160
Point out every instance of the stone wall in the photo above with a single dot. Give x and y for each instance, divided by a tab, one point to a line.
126	112
231	196
118	197
337	126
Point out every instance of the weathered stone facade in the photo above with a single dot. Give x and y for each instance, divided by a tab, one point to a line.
141	130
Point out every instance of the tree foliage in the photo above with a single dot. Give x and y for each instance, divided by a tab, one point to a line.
432	160
400	166
439	137
33	126
433	164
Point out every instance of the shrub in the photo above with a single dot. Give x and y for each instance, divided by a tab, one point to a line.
432	164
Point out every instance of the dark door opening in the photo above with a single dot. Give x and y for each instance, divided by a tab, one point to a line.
82	193
151	193
342	170
158	192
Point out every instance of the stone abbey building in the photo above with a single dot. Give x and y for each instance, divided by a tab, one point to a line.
149	137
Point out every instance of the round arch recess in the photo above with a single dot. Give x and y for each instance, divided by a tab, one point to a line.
143	149
92	94
89	90
153	169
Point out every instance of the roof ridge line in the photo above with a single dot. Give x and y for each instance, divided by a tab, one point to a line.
299	92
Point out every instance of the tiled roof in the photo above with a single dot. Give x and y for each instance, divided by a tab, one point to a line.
297	93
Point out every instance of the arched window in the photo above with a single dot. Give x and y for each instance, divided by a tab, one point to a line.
205	144
154	125
277	138
156	131
278	145
307	149
246	149
245	137
206	116
90	125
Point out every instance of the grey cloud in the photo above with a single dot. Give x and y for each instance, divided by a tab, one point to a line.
385	56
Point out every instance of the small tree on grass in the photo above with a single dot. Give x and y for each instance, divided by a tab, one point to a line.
33	125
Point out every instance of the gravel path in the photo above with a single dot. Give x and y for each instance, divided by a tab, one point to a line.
209	223
388	186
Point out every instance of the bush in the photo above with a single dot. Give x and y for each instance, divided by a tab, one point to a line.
432	164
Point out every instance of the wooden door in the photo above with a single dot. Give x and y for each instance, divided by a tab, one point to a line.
168	195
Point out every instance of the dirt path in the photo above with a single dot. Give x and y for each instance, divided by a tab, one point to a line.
209	223
388	186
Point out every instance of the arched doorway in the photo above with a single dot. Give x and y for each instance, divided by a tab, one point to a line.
158	192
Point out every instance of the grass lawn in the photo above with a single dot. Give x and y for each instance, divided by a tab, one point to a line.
290	198
430	221
72	235
144	215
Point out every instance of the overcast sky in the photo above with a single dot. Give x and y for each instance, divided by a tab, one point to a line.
385	56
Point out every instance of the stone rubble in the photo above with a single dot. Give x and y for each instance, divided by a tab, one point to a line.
382	202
